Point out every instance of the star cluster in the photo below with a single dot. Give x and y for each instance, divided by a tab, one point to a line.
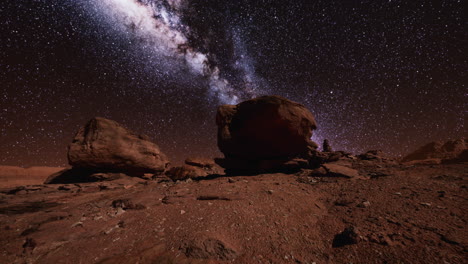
387	75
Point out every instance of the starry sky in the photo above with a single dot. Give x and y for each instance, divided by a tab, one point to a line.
388	75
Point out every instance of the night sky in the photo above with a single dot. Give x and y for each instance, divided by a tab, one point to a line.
388	75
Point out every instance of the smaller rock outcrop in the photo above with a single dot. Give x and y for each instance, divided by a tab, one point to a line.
104	150
104	144
452	150
194	168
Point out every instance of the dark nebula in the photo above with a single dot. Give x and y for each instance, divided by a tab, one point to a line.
387	75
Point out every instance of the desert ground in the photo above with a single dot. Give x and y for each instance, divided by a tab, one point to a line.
393	213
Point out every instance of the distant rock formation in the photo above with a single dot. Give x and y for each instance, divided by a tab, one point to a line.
264	132
104	150
452	150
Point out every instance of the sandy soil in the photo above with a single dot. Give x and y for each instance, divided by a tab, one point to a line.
393	214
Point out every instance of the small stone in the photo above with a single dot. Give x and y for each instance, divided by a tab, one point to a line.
109	230
77	224
29	244
364	204
231	180
425	204
119	211
270	191
182	212
348	237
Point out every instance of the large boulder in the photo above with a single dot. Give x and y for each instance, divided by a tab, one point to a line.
268	127
105	145
450	150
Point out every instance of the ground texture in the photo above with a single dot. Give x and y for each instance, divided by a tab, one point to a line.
393	213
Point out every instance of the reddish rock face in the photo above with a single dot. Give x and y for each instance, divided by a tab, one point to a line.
104	144
439	150
264	128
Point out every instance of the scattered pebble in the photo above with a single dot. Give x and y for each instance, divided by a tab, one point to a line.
364	204
119	211
77	224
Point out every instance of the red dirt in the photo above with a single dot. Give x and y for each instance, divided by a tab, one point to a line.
399	214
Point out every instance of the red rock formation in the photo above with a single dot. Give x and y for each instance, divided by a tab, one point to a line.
104	144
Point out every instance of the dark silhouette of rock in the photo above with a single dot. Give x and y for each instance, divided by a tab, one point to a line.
201	162
266	128
105	145
348	237
449	150
263	166
80	175
462	157
326	146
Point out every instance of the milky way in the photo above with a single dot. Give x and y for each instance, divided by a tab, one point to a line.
158	27
387	75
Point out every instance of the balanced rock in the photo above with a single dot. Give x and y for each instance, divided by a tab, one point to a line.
105	145
326	146
265	128
439	150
